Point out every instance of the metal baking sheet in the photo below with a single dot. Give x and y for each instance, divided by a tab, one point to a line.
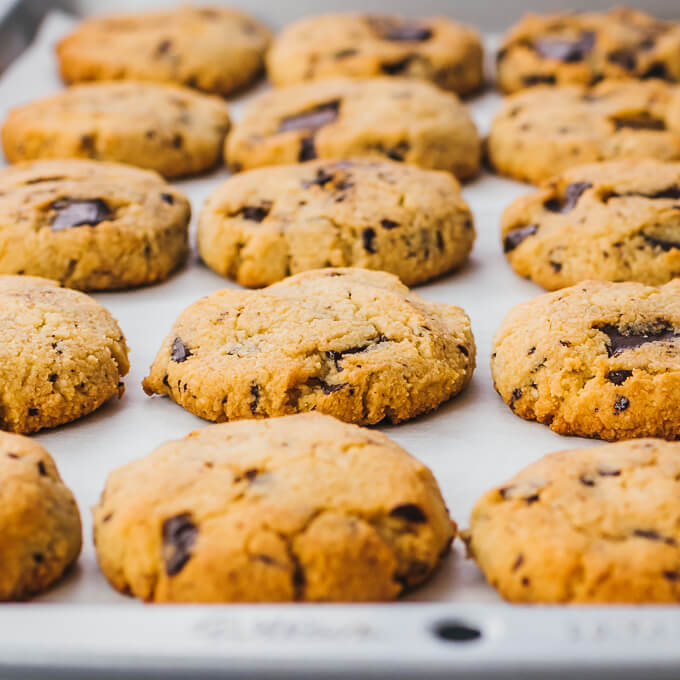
471	443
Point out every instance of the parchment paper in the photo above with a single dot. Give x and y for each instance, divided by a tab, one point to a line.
471	443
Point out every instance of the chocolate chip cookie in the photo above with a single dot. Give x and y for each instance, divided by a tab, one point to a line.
546	130
612	221
265	224
209	48
302	508
598	359
159	127
353	44
90	225
40	533
394	118
353	343
596	525
62	354
582	49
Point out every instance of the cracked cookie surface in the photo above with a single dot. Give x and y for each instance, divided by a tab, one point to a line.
598	359
612	221
394	118
173	130
544	131
212	49
265	224
62	354
598	525
581	49
436	49
353	343
91	225
301	508
40	532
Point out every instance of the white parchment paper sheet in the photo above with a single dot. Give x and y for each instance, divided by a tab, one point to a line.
470	443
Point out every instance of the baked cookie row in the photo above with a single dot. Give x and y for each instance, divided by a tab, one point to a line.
220	50
103	226
598	359
178	132
93	225
306	508
353	343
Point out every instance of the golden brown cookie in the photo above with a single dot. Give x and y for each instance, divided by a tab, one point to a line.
353	343
214	49
394	118
544	131
581	49
586	526
62	354
40	533
597	359
360	45
91	225
611	221
172	130
302	508
265	224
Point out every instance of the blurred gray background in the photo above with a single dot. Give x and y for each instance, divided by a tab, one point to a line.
19	19
489	15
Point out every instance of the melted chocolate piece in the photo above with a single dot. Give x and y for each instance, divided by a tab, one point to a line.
390	224
657	70
620	342
410	512
619	377
394	68
653	535
397	153
516	236
73	212
566	50
179	535
539	79
571	195
322	178
255	213
179	352
307	149
312	119
40	180
338	355
626	58
672	192
255	392
168	198
621	404
516	394
660	243
329	389
399	31
163	47
643	121
368	237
